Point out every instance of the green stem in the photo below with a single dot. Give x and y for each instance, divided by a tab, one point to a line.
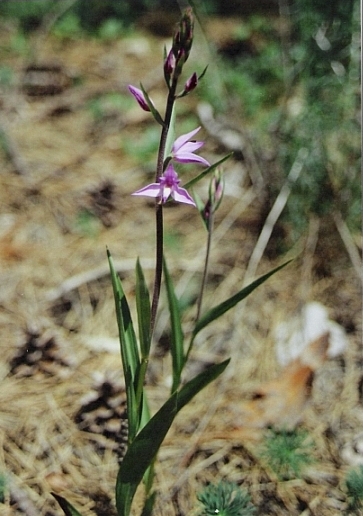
159	207
206	263
204	279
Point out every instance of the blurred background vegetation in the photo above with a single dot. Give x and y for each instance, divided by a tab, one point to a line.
295	87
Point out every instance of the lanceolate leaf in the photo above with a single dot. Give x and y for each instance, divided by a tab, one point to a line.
177	337
206	171
143	311
222	308
67	508
129	351
190	389
142	451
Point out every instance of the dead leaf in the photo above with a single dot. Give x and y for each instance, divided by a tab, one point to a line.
281	402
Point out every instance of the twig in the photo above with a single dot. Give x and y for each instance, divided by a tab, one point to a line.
274	214
349	244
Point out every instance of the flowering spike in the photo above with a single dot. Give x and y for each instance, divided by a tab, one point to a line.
168	186
183	37
182	42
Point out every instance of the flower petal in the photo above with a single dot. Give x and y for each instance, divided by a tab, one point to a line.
152	190
189	157
182	140
167	190
181	195
190	147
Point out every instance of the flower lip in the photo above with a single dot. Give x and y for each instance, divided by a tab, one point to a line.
183	149
168	186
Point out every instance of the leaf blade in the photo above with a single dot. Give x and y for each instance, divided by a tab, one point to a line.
66	506
206	171
143	450
143	311
177	336
129	350
222	308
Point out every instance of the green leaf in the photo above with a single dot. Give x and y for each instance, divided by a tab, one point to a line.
129	351
203	73
155	113
149	505
170	138
143	311
141	453
190	389
222	308
67	508
208	170
143	450
177	337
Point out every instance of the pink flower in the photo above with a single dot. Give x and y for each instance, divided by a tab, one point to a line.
168	186
183	150
139	96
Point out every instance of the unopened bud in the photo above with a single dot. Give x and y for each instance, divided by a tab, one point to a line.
183	37
191	83
169	64
206	213
139	97
187	30
216	189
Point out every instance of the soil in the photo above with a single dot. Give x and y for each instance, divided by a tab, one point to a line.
66	179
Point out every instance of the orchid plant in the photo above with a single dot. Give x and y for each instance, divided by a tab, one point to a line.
145	432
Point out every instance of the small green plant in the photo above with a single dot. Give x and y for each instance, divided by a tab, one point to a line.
354	485
287	452
225	499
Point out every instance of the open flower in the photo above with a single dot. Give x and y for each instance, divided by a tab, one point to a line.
168	186
139	96
183	150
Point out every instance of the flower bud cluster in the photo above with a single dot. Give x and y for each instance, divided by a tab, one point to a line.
179	53
183	37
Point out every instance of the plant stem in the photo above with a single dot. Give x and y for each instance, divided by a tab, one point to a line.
206	263
159	207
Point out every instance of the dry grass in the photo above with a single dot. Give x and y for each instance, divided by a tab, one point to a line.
72	337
